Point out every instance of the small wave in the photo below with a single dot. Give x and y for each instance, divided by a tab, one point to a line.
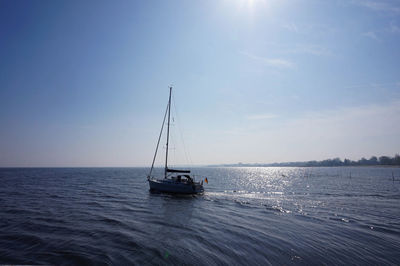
111	221
279	209
75	257
242	203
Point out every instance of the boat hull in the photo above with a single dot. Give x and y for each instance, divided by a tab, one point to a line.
170	186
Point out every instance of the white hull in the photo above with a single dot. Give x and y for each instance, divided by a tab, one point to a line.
171	186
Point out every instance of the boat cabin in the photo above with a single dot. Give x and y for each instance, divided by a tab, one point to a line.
183	179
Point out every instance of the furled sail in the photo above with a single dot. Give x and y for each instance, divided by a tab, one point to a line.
178	171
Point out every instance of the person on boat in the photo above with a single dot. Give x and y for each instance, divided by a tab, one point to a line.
189	179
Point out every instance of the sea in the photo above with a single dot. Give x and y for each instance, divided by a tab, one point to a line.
246	216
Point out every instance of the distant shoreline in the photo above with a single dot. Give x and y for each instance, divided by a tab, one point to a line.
238	166
336	162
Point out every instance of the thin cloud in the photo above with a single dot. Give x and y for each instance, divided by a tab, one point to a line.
309	28
380	6
371	35
278	62
394	28
291	27
272	62
372	85
301	48
261	116
310	49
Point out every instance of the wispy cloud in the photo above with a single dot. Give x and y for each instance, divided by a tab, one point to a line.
300	48
394	28
278	62
309	28
272	62
373	85
380	6
291	27
261	116
371	35
310	49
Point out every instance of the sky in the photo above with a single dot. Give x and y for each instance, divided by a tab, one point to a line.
85	83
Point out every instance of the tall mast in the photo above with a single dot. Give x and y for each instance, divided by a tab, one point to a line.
169	117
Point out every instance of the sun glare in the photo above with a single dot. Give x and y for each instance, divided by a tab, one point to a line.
249	6
252	4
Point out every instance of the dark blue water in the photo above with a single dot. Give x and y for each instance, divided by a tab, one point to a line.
253	216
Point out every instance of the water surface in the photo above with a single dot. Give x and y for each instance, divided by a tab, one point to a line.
254	216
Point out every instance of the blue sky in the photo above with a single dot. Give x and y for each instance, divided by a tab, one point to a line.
85	83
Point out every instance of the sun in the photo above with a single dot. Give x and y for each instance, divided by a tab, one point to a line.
251	4
249	9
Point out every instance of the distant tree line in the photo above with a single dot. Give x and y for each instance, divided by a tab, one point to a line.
382	160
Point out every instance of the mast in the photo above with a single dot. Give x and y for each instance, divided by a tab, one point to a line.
169	117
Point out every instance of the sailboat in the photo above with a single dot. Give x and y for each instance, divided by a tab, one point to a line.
174	180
